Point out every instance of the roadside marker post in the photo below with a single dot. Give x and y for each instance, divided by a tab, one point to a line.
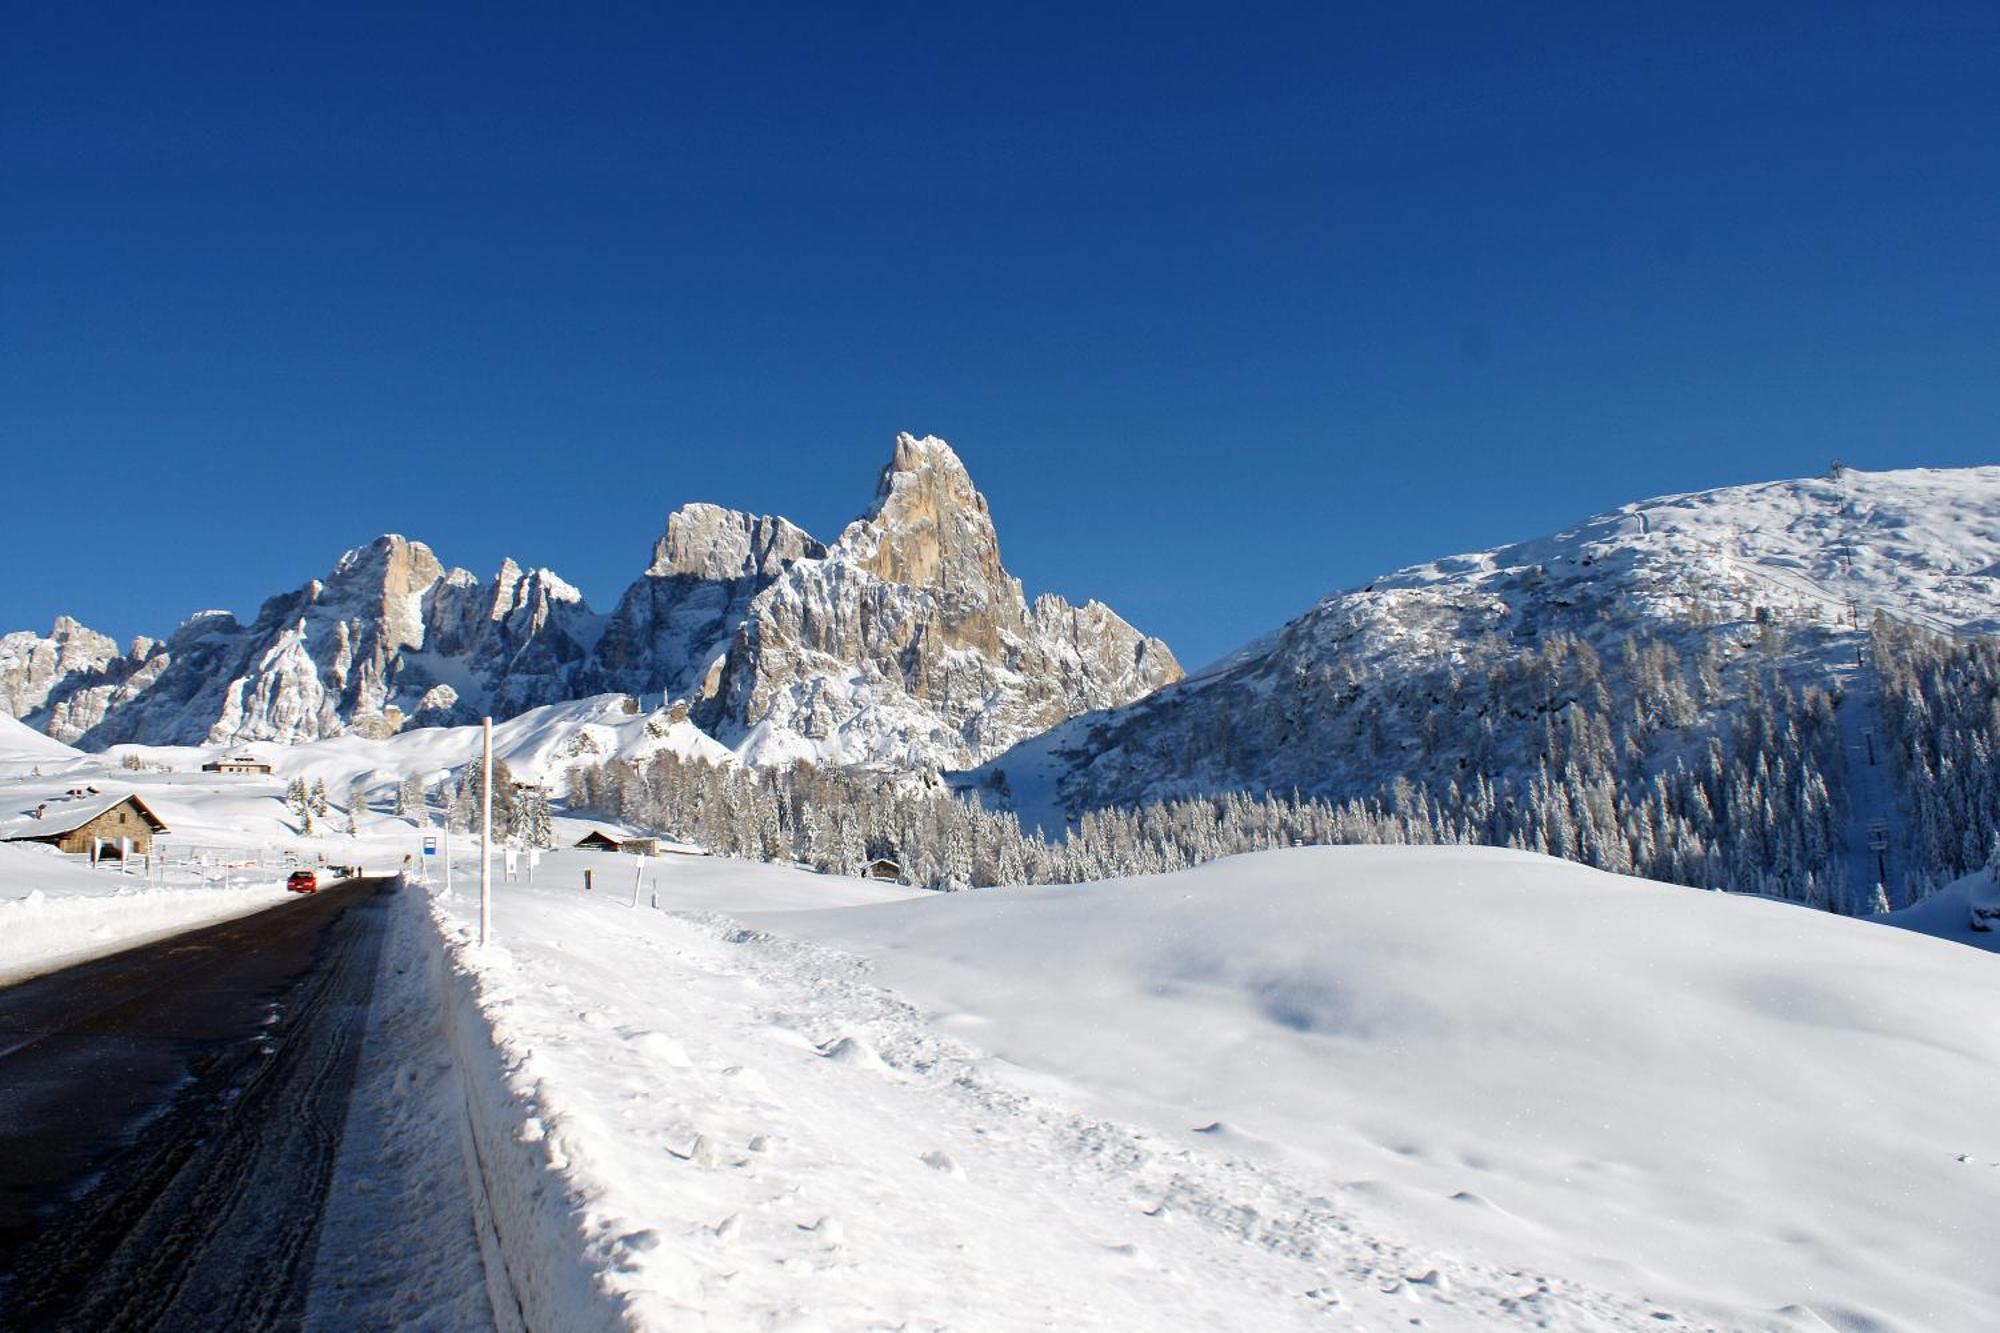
485	830
638	875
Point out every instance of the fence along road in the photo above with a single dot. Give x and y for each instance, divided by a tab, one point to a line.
169	1118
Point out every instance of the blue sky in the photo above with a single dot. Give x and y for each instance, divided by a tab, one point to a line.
1224	307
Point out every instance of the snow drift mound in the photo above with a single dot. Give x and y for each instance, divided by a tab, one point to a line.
1690	1095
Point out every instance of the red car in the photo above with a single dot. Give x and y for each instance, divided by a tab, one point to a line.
302	881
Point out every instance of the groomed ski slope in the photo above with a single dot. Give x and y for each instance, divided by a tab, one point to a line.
1319	1088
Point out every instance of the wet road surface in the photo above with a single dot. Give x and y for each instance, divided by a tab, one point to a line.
169	1118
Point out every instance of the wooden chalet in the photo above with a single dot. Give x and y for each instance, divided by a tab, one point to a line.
87	824
238	763
882	868
597	840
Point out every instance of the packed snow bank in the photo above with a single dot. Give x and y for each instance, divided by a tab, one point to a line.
398	1245
56	910
529	1207
538	1152
1689	1095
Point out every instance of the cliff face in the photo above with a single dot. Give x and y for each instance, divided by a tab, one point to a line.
74	677
909	643
673	626
906	641
389	635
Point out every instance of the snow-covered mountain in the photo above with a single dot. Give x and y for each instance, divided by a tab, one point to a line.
908	643
67	681
389	636
905	642
673	626
1658	620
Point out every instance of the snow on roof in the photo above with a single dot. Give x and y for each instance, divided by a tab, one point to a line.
64	816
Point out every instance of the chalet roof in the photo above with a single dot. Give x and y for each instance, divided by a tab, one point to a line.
67	816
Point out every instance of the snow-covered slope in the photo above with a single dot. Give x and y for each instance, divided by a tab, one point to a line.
1738	582
20	745
1947	914
538	746
1341	1087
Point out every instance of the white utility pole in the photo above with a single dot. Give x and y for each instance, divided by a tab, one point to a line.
486	830
446	821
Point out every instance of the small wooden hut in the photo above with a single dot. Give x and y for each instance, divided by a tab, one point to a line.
110	822
238	763
597	840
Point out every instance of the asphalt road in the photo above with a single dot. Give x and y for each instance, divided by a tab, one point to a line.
169	1118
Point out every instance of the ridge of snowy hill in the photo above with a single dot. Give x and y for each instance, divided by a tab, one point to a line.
905	642
537	746
1635	641
21	744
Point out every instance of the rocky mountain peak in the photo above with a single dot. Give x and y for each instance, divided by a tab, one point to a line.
709	542
928	527
910	644
392	562
905	642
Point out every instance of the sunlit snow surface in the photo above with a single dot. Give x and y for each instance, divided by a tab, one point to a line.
1468	1086
1341	1087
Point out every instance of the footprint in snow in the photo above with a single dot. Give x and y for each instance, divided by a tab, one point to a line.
697	1150
591	1018
938	1161
827	1230
748	1079
852	1051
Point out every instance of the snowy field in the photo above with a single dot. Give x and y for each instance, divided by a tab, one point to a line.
1319	1088
57	909
1344	1087
230	840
